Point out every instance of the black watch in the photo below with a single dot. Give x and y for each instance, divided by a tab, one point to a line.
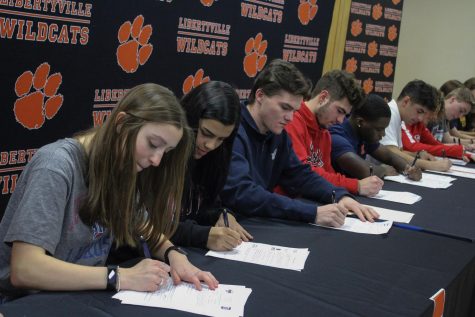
172	248
112	277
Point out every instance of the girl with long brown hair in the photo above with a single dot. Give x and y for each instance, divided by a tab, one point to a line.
115	183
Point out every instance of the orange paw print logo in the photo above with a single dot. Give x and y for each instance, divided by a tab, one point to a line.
30	108
377	11
392	33
255	58
307	11
207	3
388	69
134	49
351	65
396	2
368	85
356	27
372	49
194	81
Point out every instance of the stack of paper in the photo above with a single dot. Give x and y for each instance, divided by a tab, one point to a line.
454	161
393	215
398	197
358	226
459	171
428	180
266	254
226	300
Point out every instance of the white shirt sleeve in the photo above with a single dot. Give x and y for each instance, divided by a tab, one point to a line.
393	130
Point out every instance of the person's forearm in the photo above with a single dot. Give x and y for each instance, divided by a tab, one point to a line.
448	139
379	171
470	134
398	163
165	244
31	268
408	158
455	133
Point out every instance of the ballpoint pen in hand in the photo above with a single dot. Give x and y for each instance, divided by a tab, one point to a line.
225	217
416	158
146	250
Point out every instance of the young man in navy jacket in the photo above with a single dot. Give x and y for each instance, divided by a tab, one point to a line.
263	158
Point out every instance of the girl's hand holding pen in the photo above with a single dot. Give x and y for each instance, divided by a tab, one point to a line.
146	276
234	225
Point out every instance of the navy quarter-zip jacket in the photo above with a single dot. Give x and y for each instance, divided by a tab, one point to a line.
262	161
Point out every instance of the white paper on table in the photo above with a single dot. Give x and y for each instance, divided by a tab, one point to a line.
355	225
428	180
266	254
398	197
393	215
226	300
454	161
459	171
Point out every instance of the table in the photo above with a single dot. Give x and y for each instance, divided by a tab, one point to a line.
346	274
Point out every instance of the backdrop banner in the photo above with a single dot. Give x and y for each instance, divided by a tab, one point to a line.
65	64
371	44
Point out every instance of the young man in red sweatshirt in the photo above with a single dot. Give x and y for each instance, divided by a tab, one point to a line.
331	100
417	137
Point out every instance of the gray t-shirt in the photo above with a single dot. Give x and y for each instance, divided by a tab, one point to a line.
43	211
438	128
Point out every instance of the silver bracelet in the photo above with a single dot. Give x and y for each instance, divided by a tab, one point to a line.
118	279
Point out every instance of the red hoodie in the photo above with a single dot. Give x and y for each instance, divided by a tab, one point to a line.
417	137
313	144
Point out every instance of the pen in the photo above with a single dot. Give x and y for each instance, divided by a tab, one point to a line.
333	197
459	142
430	231
146	250
415	159
421	229
225	217
371	170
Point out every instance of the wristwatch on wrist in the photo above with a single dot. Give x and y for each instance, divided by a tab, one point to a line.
112	277
172	248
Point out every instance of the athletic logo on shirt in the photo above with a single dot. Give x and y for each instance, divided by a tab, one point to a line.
438	132
412	138
97	231
315	157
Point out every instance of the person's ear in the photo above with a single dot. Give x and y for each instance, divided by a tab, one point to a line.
259	95
406	101
118	120
359	122
324	97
